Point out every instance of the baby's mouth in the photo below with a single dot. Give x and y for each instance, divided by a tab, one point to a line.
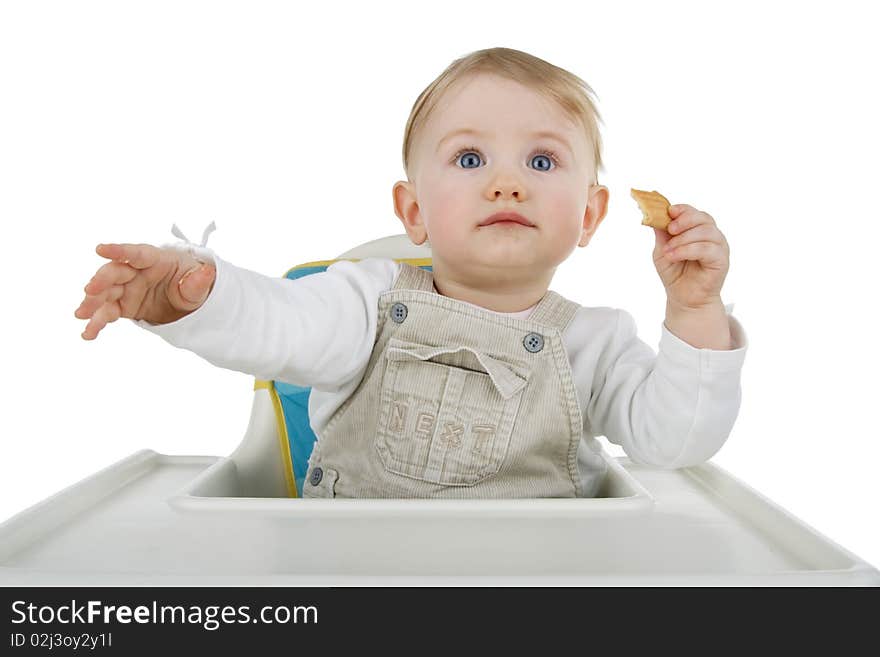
507	224
507	219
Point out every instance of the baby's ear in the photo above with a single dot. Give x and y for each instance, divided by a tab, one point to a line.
406	207
597	208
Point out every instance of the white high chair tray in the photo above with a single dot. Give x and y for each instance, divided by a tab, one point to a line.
153	519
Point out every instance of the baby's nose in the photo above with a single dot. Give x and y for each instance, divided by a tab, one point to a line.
502	193
507	187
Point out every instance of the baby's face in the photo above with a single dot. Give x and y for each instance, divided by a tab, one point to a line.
482	152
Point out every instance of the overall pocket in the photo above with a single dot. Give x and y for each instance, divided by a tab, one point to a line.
447	413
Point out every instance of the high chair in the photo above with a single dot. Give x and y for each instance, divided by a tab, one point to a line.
155	519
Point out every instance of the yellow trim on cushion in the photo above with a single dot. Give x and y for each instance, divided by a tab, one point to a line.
316	263
415	262
283	438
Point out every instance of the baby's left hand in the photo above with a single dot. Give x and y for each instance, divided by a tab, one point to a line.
692	259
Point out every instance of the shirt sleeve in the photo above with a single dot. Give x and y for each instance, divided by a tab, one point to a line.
672	409
315	331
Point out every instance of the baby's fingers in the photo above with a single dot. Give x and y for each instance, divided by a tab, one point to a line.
195	285
94	301
109	312
139	256
112	273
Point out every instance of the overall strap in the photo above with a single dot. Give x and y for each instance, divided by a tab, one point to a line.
413	278
554	310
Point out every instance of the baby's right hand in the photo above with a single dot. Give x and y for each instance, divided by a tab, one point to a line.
143	282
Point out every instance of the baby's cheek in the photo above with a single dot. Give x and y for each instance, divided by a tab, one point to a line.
443	207
568	217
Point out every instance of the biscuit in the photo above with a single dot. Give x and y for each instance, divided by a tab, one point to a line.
654	206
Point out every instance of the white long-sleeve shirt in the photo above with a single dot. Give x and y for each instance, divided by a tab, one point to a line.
671	409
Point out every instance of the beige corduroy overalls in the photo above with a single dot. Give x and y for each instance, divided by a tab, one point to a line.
456	402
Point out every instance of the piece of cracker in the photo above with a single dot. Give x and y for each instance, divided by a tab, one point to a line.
654	206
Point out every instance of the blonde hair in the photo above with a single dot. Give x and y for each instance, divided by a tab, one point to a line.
569	91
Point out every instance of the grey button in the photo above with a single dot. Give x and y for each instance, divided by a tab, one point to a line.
398	312
317	476
533	342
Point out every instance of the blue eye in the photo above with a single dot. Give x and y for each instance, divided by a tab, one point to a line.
547	163
471	157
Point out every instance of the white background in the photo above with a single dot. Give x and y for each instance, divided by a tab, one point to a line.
283	122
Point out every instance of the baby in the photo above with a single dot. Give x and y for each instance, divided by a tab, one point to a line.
473	380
